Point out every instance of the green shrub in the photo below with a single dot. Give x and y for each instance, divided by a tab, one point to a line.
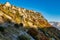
21	24
23	37
1	29
16	25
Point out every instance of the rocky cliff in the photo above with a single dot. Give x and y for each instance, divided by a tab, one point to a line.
22	24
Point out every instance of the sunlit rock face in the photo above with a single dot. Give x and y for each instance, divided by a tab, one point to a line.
21	15
22	24
7	4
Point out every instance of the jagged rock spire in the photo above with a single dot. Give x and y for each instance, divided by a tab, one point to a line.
8	4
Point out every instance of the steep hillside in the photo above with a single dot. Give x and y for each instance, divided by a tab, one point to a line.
22	24
21	15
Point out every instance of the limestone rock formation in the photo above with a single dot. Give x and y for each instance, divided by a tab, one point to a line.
22	24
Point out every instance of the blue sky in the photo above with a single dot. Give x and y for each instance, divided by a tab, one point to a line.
50	9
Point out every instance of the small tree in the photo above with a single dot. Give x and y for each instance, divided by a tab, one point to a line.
16	25
21	24
1	29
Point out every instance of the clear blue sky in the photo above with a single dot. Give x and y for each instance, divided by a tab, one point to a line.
50	9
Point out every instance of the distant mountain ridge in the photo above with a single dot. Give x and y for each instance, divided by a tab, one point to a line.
22	24
55	24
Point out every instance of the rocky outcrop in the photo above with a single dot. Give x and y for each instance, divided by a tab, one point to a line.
21	15
22	24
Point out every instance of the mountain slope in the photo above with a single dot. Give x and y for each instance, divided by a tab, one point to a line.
21	15
22	24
